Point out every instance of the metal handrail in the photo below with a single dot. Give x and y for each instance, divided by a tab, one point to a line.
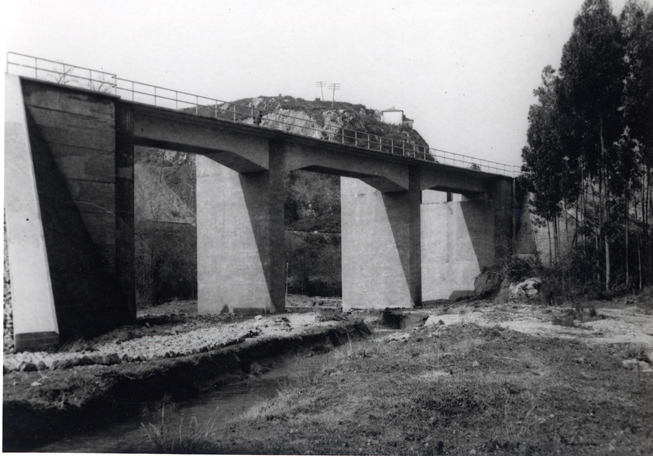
212	107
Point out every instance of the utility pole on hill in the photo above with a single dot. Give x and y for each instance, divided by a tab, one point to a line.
321	85
335	87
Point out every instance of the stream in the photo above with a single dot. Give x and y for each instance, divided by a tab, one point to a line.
221	405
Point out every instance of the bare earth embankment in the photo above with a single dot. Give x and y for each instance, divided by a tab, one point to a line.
171	353
461	378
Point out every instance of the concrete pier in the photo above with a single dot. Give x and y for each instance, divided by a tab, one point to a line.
381	245
240	237
457	242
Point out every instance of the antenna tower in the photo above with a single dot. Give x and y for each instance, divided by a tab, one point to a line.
334	87
321	85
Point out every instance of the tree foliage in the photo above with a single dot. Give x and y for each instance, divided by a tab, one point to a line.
590	135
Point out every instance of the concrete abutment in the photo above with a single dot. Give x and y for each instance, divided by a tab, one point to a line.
76	264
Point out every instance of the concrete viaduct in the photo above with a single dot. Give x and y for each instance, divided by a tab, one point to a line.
69	211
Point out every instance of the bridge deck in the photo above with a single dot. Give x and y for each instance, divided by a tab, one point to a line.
244	148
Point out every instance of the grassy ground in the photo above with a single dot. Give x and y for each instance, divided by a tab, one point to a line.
455	389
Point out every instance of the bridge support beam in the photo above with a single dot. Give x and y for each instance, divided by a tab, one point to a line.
240	237
381	245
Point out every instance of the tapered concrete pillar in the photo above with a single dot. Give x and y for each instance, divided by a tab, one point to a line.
35	319
381	245
461	238
240	237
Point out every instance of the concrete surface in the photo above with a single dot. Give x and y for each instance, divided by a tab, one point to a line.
35	321
240	237
381	252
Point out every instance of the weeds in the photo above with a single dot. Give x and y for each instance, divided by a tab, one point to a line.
74	346
635	351
195	438
370	348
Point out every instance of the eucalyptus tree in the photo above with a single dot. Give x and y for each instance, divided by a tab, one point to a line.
636	144
544	166
591	78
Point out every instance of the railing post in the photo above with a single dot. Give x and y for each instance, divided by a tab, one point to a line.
197	105
154	95
355	138
368	140
234	112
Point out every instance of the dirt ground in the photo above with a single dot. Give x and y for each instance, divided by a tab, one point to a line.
469	377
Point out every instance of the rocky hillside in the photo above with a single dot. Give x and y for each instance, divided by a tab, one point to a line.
164	222
317	119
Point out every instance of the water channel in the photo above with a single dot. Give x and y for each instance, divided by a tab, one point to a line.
222	405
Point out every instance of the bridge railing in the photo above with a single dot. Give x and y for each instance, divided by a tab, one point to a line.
61	73
102	81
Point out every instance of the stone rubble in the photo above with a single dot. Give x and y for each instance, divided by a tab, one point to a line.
165	346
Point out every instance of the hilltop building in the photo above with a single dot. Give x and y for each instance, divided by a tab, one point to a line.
396	117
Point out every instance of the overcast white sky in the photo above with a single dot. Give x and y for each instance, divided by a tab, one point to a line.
463	69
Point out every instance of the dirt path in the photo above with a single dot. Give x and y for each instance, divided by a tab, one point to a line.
613	324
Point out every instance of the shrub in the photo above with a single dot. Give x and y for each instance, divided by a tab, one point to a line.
517	269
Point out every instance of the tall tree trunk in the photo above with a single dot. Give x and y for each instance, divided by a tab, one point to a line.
603	188
627	228
597	231
556	234
566	225
648	224
639	258
548	229
607	264
576	229
643	215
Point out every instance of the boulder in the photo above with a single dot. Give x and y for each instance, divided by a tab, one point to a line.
504	292
433	320
528	289
637	365
487	283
